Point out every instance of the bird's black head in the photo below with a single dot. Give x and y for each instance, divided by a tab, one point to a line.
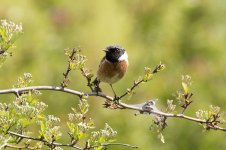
114	52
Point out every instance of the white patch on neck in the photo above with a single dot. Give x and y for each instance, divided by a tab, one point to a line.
123	57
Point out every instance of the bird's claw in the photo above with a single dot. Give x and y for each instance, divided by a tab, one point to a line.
116	99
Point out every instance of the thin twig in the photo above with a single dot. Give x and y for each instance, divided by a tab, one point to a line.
42	140
84	73
131	89
24	136
137	83
19	147
71	57
2	51
113	144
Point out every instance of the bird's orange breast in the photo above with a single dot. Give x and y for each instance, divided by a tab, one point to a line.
111	72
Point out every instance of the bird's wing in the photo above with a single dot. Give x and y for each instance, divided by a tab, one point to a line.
102	60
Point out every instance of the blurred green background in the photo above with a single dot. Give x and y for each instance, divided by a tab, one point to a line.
189	36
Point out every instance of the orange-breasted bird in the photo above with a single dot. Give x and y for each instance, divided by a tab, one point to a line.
113	65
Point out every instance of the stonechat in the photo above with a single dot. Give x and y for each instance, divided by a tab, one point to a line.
113	65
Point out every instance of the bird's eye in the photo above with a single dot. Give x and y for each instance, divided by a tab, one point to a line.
115	50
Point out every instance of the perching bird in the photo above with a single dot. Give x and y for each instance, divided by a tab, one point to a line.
113	66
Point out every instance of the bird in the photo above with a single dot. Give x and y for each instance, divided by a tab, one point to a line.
113	66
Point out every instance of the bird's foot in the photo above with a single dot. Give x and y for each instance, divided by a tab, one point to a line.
116	99
97	90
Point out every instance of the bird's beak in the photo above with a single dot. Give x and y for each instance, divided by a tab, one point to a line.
106	50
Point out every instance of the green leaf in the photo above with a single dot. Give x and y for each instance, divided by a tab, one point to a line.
42	125
185	87
101	140
72	65
161	137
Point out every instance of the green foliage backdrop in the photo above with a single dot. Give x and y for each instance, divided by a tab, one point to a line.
188	36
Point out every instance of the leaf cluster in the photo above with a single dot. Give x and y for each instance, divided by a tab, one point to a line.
9	33
26	112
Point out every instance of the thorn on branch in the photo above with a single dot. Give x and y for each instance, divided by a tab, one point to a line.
2	52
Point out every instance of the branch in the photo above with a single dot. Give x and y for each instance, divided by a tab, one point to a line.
42	140
54	88
19	147
138	107
60	144
113	144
